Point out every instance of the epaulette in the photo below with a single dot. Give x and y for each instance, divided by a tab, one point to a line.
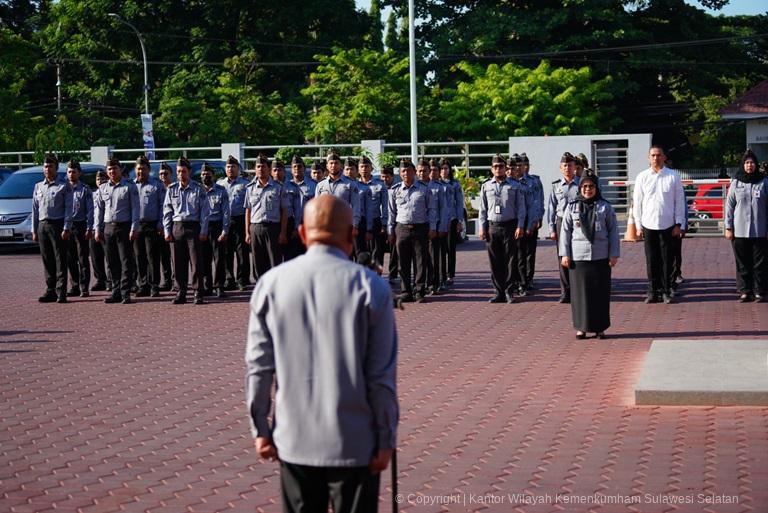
486	180
556	181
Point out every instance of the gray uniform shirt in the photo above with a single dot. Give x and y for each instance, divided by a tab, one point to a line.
323	327
185	204
439	190
366	207
746	209
52	201
500	202
307	190
379	200
265	201
455	199
218	206
536	192
412	205
151	199
562	194
117	203
574	244
344	189
236	194
82	204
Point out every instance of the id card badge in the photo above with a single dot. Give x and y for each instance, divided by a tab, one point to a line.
598	226
756	193
268	205
497	209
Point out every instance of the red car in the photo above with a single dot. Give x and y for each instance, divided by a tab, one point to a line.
709	200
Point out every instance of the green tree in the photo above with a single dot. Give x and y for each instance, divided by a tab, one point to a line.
510	100
358	94
60	138
17	66
392	37
373	39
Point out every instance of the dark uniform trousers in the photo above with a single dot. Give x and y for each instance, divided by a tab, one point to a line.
378	244
165	260
751	256
394	268
264	247
79	253
677	260
147	250
450	251
97	262
359	244
435	271
289	249
54	252
528	263
658	259
308	489
565	279
187	252
119	252
237	250
411	243
214	256
502	255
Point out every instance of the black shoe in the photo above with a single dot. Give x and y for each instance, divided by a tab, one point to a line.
84	293
198	299
523	291
746	298
406	298
73	292
48	297
449	281
134	289
166	286
418	297
581	335
241	287
220	294
62	299
511	299
113	299
498	298
109	288
565	298
180	299
759	298
651	298
98	286
154	292
600	335
143	292
127	299
668	299
230	285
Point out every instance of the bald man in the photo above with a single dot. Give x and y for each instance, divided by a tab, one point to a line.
339	354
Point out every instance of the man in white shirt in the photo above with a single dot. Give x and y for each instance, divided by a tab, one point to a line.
659	209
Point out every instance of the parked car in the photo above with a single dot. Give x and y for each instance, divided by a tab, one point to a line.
708	202
16	201
5	172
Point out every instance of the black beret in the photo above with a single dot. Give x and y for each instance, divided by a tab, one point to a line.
498	159
184	162
445	162
423	162
206	167
332	155
262	159
365	160
387	170
113	161
316	166
525	158
142	160
406	163
233	160
74	164
567	157
297	160
165	166
103	175
278	164
51	158
582	159
350	162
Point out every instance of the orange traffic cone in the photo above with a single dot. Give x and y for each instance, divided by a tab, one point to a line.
631	234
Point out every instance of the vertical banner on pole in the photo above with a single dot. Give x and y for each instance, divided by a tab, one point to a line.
148	135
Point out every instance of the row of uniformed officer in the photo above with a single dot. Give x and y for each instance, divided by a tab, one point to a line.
518	168
563	192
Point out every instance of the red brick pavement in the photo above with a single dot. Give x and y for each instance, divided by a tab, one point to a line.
139	407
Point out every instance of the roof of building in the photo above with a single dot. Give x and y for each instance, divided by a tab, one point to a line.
752	105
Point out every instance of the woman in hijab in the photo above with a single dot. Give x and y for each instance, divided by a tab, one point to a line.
746	226
589	243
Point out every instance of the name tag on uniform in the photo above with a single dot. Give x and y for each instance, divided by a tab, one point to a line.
268	204
598	226
756	193
577	223
497	209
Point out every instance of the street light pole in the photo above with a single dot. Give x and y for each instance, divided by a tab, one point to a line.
143	54
412	71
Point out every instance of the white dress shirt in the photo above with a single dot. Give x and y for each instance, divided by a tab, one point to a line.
659	200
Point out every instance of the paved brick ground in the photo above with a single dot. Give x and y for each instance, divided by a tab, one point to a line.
139	408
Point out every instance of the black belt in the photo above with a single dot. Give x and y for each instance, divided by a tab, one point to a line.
412	226
187	223
502	223
267	223
52	221
117	223
147	221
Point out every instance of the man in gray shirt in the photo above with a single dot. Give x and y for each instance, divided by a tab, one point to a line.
335	368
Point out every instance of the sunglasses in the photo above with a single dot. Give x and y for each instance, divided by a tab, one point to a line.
587	186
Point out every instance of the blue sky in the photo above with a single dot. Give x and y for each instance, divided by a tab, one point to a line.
733	7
